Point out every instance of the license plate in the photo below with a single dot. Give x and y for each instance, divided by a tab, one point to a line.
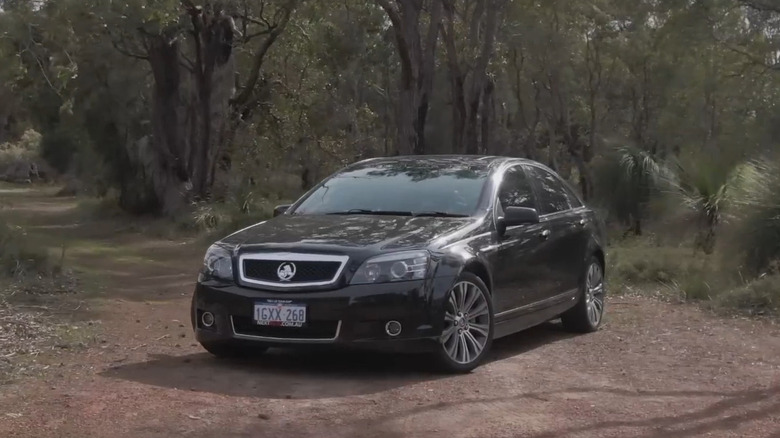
280	314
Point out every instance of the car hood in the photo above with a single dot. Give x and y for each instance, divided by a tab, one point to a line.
354	231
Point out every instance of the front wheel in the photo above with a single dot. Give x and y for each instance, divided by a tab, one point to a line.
468	325
586	315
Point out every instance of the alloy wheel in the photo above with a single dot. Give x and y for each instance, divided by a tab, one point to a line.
594	293
466	323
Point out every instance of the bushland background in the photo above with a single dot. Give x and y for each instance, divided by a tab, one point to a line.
185	118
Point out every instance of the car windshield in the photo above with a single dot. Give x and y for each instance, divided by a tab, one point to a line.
420	188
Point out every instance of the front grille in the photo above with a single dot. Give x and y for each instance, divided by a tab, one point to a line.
290	269
305	271
243	325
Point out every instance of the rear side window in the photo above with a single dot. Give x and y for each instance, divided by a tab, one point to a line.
516	189
553	195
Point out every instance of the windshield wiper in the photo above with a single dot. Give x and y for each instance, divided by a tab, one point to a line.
437	214
375	212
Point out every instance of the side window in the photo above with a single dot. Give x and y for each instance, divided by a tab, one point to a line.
553	196
516	189
574	201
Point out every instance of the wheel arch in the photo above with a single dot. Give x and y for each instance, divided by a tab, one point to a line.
479	269
599	253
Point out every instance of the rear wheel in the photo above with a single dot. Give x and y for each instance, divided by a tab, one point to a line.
586	316
468	325
234	351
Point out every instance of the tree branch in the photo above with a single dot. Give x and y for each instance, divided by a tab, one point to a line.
762	5
250	37
127	52
755	60
402	45
392	13
257	62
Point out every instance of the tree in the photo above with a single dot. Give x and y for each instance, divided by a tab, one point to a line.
194	107
417	55
471	88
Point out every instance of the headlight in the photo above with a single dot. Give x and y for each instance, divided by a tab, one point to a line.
401	266
218	263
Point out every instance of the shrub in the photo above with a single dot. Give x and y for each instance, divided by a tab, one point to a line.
760	296
16	158
640	263
226	217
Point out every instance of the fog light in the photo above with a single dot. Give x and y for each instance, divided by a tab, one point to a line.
207	319
393	328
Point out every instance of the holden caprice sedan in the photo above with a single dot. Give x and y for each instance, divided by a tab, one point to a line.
426	254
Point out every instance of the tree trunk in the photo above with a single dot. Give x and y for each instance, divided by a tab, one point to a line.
214	70
488	117
190	112
470	116
457	79
165	160
417	68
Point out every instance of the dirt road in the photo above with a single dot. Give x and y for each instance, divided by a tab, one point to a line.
654	370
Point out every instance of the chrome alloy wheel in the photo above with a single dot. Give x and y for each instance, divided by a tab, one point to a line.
466	323
594	293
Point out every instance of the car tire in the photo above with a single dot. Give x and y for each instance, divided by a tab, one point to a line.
466	337
587	315
234	351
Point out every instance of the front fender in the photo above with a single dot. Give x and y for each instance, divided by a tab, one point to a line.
446	270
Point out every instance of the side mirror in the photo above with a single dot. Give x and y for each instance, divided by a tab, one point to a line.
514	216
280	209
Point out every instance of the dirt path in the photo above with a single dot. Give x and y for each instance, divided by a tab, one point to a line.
655	370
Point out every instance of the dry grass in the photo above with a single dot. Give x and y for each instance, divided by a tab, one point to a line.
31	286
18	256
680	274
30	325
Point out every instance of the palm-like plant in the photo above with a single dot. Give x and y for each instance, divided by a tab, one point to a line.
625	183
702	186
754	202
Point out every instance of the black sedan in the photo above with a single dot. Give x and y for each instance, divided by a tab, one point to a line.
436	254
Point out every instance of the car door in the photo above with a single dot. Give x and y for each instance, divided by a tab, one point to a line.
561	214
516	262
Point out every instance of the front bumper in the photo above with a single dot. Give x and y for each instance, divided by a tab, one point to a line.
353	316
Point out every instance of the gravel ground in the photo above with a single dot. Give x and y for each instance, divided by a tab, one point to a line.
656	369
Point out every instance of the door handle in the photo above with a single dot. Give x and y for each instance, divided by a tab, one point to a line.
545	234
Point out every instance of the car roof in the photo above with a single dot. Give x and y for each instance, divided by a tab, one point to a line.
488	162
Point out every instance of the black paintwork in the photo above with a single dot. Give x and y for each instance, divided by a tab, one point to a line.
533	264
